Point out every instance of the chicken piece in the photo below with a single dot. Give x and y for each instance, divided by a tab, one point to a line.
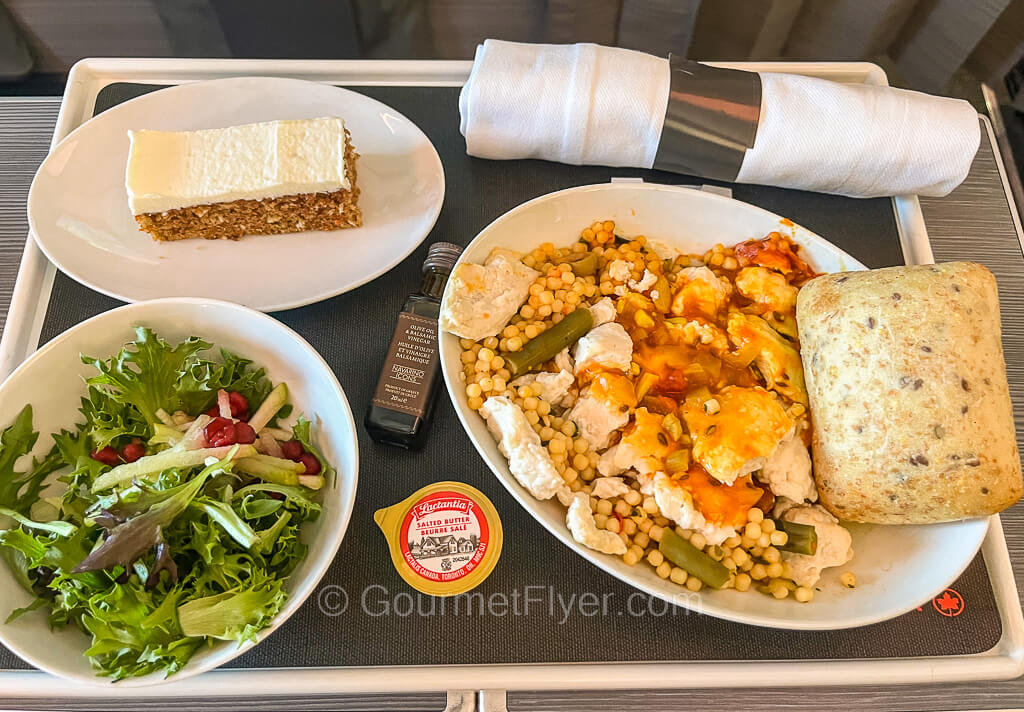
783	505
528	460
552	387
564	495
767	289
648	437
699	332
480	299
663	250
777	360
644	283
834	544
738	433
702	294
788	471
605	347
646	481
723	505
616	460
676	503
644	446
603	407
564	362
603	311
609	487
580	521
620	270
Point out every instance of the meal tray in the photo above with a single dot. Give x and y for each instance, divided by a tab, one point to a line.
545	618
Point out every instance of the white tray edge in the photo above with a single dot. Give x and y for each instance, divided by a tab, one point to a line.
21	336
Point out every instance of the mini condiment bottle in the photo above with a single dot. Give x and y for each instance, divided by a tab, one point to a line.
399	413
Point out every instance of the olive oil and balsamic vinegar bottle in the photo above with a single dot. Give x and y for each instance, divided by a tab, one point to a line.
400	411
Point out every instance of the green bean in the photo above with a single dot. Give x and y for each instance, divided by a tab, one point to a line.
692	560
803	539
547	344
583	264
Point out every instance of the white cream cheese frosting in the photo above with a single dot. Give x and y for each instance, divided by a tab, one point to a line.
178	169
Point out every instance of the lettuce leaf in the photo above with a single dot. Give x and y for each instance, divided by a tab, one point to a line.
20	490
55	527
108	422
135	631
19	612
130	539
229	521
146	373
199	385
233	540
301	433
149	374
74	449
236	615
298	499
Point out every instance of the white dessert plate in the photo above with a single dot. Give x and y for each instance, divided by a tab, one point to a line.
52	381
897	567
78	208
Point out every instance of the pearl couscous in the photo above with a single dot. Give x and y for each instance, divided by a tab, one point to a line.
660	397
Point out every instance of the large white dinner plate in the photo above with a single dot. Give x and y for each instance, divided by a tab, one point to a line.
52	381
78	208
897	567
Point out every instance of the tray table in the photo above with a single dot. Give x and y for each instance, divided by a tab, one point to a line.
370	643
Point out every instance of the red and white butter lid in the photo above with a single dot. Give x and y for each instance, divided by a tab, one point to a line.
444	539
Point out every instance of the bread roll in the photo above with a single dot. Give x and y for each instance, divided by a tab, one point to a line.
908	394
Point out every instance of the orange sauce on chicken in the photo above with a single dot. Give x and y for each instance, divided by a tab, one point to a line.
685	349
777	253
723	505
646	435
613	387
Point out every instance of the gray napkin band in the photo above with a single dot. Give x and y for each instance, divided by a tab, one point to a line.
710	121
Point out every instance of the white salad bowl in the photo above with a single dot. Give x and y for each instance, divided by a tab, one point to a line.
897	567
51	380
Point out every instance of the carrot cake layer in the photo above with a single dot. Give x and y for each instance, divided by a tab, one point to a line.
265	178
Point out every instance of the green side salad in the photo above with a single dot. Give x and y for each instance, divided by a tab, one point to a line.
170	516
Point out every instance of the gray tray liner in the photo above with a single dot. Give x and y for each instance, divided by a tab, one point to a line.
364	614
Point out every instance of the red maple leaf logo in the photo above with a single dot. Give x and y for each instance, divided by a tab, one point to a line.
949	603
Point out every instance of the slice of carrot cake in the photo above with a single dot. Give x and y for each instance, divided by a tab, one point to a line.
257	179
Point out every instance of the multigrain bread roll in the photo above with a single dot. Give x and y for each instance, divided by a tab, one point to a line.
908	394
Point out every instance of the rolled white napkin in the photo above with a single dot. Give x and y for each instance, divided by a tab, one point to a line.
594	105
858	140
582	104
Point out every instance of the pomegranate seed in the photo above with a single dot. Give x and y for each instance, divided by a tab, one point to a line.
132	452
239	405
311	463
220	432
292	450
108	456
244	434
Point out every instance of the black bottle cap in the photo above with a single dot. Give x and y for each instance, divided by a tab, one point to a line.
442	255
